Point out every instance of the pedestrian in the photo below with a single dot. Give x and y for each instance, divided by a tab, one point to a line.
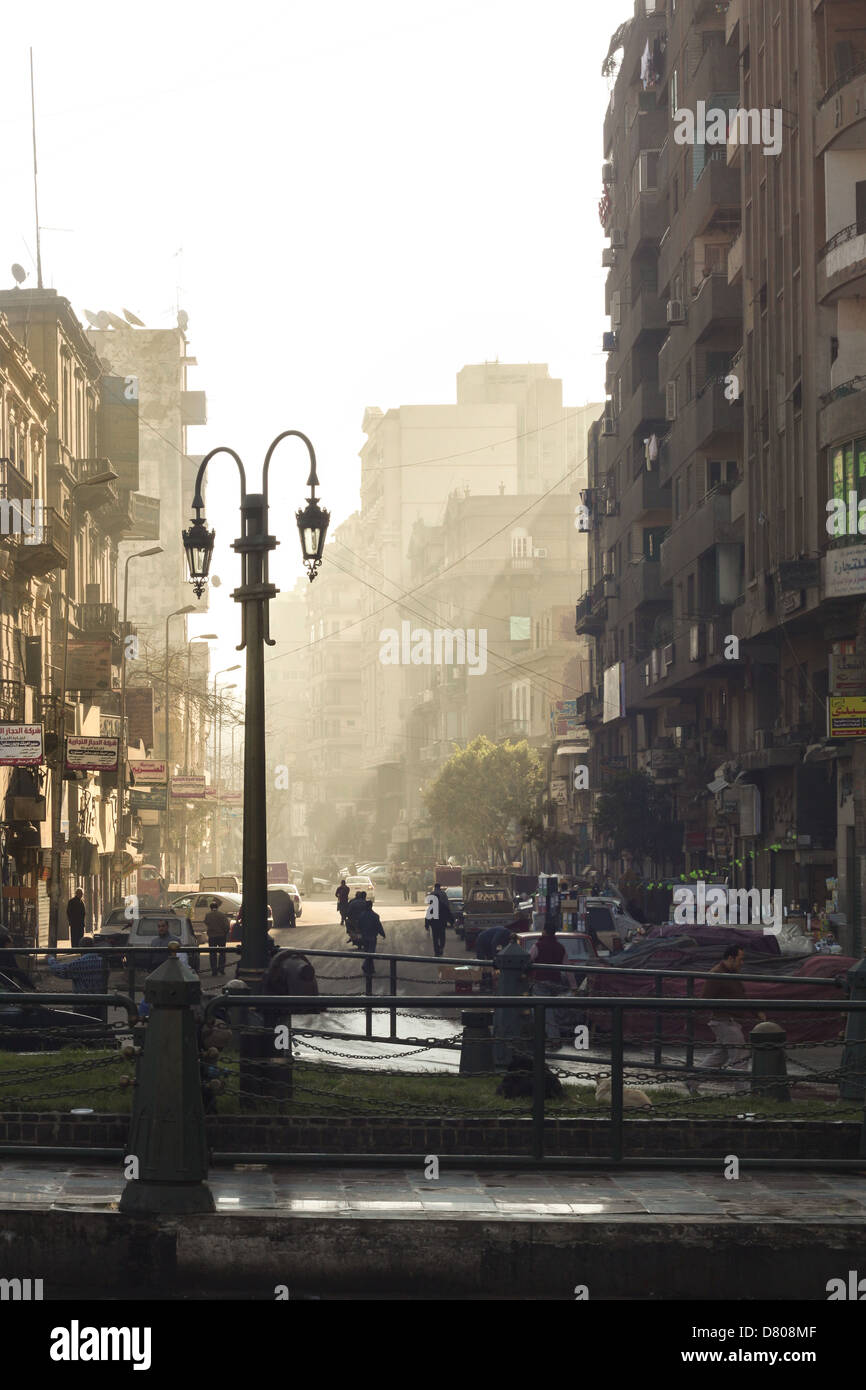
75	914
370	928
354	912
404	884
88	973
217	924
342	896
437	917
416	885
548	983
726	1027
163	892
493	940
9	963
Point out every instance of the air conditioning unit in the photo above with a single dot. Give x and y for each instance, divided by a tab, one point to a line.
617	237
608	425
676	312
540	552
611	507
671	400
668	655
609	342
607	172
608	257
696	642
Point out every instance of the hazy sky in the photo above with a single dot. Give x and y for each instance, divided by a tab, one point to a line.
350	200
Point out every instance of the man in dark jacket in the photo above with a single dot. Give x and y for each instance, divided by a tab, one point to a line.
438	917
217	924
355	910
342	896
493	940
75	913
548	951
370	927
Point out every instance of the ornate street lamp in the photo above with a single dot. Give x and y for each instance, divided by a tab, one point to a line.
254	595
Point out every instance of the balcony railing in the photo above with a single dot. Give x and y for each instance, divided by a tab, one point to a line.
98	617
11	702
40	545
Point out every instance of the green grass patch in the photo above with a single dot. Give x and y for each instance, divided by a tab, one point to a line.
69	1079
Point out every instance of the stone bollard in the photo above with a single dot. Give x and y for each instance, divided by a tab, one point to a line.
167	1134
852	1085
476	1045
509	1025
769	1067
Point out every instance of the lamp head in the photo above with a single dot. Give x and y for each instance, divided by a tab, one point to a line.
198	544
312	527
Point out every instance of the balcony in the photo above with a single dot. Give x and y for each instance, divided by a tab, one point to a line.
643	496
842	107
513	728
646	407
648	131
733	23
843	412
46	548
716	73
842	265
717	305
647	222
709	417
641	584
712	206
697	533
99	619
11	702
646	314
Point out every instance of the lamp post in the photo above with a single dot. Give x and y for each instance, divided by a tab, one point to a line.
219	773
120	835
106	476
254	595
166	820
215	819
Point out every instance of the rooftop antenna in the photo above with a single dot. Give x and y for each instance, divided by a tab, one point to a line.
35	182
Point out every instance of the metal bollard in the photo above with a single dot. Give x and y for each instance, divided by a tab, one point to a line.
769	1066
852	1085
476	1045
167	1133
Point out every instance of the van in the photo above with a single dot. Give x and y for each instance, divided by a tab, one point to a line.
220	883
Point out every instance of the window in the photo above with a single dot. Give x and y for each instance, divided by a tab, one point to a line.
848	470
652	541
690	595
689	488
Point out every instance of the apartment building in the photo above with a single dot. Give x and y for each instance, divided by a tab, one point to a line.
85	519
287	705
721	651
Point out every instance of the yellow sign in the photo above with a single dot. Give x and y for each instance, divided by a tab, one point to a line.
847	716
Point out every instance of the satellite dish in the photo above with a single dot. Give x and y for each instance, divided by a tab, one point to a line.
182	320
131	318
102	320
92	319
19	273
115	321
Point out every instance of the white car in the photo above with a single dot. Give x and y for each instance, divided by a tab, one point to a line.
196	906
362	883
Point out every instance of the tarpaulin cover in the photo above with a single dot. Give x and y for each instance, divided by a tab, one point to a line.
700	949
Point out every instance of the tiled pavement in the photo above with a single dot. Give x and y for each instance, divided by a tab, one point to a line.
359	1193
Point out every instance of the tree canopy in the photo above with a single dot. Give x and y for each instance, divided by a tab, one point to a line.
634	815
479	799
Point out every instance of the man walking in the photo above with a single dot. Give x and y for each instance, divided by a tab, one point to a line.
75	913
547	951
342	896
726	1027
354	912
88	973
217	924
370	927
437	917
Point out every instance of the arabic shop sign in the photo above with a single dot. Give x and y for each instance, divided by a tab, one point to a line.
188	788
845	571
148	770
20	745
147	798
846	716
86	754
847	675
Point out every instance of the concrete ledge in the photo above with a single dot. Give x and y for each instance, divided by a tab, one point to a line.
626	1258
655	1137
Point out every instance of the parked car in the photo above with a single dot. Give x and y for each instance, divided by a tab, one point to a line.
196	906
362	883
32	1027
455	900
134	938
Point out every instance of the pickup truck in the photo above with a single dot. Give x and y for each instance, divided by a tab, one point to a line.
487	902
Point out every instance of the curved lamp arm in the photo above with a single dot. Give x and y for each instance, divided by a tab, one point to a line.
197	501
312	481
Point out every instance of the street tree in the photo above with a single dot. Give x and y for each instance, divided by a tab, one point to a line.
482	794
633	816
